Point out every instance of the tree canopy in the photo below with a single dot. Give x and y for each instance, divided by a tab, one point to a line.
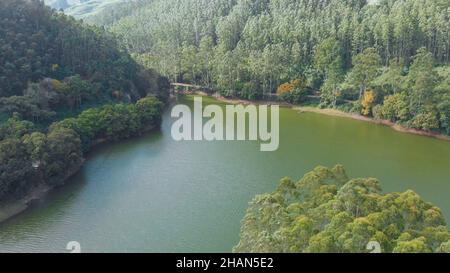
328	212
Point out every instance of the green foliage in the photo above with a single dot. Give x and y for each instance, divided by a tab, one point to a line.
365	69
250	90
417	245
26	107
328	212
426	120
421	96
445	247
296	96
334	76
15	168
63	157
294	92
113	122
15	128
395	107
29	158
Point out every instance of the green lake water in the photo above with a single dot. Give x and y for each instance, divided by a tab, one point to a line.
153	194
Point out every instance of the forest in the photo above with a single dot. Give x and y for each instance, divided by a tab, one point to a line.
64	86
326	212
386	59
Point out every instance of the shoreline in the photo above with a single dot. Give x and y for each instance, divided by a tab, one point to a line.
393	125
12	208
330	112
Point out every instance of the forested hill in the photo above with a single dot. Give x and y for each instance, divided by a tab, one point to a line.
287	29
52	69
50	61
387	58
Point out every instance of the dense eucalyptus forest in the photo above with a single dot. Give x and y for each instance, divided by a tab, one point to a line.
54	68
386	59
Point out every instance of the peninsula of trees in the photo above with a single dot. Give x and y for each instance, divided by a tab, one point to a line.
328	212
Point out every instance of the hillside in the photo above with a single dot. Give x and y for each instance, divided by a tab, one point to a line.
64	87
53	63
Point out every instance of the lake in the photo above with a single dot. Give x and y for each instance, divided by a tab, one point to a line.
153	194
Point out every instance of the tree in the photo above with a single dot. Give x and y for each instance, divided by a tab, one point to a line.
331	87
295	91
326	53
422	79
206	59
64	155
396	108
417	245
15	128
367	102
189	66
426	120
392	80
365	69
26	107
15	169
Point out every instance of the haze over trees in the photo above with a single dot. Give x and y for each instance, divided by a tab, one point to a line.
90	9
328	212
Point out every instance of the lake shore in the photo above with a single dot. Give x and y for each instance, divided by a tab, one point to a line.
393	125
9	209
331	112
12	208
